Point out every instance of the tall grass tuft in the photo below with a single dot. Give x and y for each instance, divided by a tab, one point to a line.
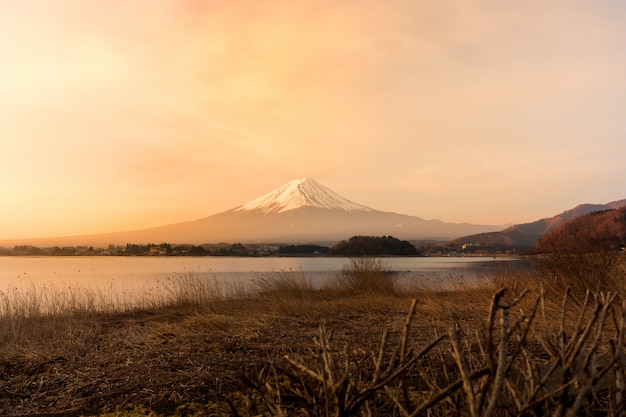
189	288
284	284
58	300
365	275
194	288
288	292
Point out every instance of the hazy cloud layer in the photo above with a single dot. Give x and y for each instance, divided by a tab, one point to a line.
120	115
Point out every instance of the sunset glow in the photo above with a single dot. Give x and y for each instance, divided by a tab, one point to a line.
124	115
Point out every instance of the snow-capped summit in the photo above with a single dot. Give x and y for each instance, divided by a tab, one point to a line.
303	192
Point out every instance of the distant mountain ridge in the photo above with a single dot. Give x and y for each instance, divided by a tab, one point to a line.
301	211
528	234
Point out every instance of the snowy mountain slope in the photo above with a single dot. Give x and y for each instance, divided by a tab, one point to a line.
300	193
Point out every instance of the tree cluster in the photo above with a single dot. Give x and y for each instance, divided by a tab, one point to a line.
374	246
303	250
599	231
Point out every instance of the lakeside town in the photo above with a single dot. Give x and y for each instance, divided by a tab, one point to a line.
254	250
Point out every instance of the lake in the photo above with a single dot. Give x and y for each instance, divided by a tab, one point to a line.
124	278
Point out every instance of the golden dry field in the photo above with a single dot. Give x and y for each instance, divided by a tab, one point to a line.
521	344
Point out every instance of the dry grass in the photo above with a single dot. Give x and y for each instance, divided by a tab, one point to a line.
202	346
581	265
505	368
194	288
365	275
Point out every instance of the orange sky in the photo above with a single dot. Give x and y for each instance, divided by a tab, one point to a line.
118	115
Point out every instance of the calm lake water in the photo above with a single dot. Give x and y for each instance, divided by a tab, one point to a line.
125	278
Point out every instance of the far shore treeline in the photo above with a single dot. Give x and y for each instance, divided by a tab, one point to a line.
355	246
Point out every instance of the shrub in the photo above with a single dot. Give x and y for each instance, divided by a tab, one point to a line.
575	367
586	253
581	265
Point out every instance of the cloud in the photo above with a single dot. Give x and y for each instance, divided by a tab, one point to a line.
232	97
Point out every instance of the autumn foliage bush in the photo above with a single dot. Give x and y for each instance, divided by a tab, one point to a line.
586	253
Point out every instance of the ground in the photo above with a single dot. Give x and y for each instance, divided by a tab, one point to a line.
196	358
162	359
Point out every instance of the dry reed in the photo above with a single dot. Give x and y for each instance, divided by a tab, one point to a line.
506	368
365	275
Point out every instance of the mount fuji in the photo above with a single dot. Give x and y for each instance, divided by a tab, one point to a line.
301	211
